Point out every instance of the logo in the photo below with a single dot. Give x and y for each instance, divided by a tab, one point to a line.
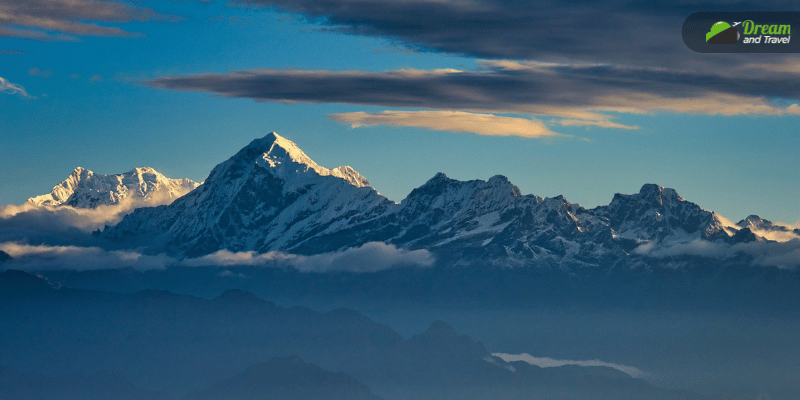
741	32
722	33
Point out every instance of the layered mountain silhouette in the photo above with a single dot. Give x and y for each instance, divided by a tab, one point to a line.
286	378
103	385
164	342
271	197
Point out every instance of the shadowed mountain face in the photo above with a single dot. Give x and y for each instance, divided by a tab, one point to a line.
270	196
178	344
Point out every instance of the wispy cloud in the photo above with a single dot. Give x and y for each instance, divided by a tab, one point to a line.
546	362
38	72
11	88
65	20
13	52
586	122
454	121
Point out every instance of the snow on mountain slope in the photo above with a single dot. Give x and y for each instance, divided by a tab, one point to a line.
769	230
85	189
444	210
271	196
268	196
656	213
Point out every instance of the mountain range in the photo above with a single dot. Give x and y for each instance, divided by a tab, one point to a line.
240	346
270	196
86	189
650	280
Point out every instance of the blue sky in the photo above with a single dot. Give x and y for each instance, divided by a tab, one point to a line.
162	90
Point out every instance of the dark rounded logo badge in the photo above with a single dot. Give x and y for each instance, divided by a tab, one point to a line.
722	33
741	31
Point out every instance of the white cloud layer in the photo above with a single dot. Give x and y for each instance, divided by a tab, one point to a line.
546	362
78	258
454	121
57	219
370	257
768	254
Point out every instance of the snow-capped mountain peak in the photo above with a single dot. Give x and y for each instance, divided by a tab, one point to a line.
85	189
284	155
755	222
268	196
769	230
272	196
661	196
284	160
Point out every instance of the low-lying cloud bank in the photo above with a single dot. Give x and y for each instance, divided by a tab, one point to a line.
79	258
370	257
65	224
767	254
546	362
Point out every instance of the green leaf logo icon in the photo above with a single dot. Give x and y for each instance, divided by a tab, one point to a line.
722	33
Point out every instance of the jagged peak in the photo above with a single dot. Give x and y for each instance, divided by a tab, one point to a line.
143	170
559	201
283	158
498	180
653	191
86	189
441	183
753	220
650	188
439	176
81	172
436	180
274	145
77	175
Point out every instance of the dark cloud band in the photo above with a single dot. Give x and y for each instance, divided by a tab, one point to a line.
617	31
574	91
